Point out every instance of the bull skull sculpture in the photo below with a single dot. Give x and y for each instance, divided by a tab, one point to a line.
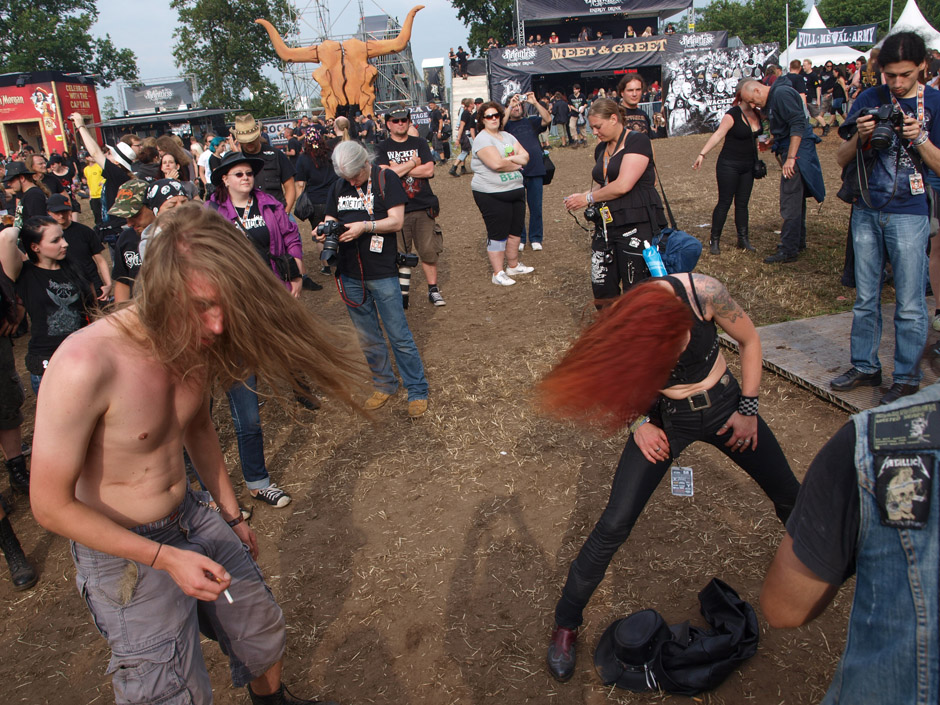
345	75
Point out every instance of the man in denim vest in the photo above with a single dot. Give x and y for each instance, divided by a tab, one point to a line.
868	505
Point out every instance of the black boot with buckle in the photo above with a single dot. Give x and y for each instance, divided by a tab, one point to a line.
21	572
713	245
19	473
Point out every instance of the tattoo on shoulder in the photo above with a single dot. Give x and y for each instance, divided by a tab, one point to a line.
714	293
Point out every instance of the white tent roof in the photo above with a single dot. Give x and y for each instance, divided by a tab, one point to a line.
911	20
837	55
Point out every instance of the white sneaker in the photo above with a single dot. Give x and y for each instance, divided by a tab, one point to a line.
936	323
519	269
537	246
503	279
521	246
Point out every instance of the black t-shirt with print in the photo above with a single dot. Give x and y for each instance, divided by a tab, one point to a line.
376	252
253	225
56	308
114	176
812	81
298	147
638	121
420	196
127	264
54	184
84	244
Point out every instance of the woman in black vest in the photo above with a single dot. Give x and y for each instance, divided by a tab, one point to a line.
653	358
734	169
627	208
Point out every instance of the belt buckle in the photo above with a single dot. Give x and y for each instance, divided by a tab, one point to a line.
693	401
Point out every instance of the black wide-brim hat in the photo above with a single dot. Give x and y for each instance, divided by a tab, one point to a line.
230	160
15	169
627	646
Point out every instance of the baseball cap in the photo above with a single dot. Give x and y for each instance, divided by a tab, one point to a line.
129	199
57	203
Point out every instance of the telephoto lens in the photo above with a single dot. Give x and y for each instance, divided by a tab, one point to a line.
404	281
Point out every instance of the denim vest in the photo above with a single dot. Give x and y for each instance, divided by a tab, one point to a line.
891	650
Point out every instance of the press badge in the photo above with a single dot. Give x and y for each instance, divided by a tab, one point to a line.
682	481
376	245
917	183
605	214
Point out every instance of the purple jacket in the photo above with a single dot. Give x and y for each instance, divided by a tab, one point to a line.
285	237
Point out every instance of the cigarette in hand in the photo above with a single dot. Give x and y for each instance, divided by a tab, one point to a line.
228	595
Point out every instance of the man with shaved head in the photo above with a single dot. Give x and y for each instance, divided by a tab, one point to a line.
795	148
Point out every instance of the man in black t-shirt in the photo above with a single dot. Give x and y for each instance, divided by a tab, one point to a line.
813	89
795	79
30	200
277	177
85	246
631	89
410	158
370	203
294	146
435	124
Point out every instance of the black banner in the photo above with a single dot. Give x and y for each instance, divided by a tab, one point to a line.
698	87
555	9
512	68
172	95
857	35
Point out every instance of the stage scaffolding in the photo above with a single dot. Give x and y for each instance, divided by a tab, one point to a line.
398	81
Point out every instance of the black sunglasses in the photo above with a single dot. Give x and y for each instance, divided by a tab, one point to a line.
397	121
491	116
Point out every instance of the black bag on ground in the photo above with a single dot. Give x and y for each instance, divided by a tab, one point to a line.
641	653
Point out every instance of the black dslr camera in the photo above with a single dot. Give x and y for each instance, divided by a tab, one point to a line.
332	229
593	214
888	122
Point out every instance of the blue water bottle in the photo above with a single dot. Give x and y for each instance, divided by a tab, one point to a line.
653	261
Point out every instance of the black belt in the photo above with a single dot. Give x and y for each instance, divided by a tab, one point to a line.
697	402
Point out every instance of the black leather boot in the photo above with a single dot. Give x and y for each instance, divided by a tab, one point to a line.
21	572
19	473
744	242
283	697
713	248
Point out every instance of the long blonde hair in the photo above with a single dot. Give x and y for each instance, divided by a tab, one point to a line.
342	124
265	330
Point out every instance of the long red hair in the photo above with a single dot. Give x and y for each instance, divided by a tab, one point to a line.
613	372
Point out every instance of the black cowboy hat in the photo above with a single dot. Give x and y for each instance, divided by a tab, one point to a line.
230	160
627	648
15	169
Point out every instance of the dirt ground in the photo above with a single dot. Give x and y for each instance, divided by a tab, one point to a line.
420	561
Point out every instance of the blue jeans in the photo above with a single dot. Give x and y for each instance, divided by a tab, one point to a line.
34	381
904	238
243	403
533	196
383	300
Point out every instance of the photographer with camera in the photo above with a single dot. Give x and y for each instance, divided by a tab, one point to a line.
891	132
364	212
623	202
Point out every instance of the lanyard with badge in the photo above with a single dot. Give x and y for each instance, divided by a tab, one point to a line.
605	210
377	242
916	178
245	215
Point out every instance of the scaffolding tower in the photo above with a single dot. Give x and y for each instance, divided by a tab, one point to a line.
397	83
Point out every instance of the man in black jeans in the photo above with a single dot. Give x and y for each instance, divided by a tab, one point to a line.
795	148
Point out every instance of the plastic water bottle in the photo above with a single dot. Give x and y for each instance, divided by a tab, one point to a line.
653	261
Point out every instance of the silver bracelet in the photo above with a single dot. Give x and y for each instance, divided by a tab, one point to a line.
923	137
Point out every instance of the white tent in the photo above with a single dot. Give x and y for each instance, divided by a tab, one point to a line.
820	55
911	20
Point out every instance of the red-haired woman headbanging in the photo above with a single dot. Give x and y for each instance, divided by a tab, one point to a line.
654	355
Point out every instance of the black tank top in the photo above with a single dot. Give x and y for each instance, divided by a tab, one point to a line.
739	140
699	356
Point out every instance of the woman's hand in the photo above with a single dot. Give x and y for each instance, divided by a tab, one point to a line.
105	292
576	201
698	162
354	230
743	432
296	286
652	442
172	174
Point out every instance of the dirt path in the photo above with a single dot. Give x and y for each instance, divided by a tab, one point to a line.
420	561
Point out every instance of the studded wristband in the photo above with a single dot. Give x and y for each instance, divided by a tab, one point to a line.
747	406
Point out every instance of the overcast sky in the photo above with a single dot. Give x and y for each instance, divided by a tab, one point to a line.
436	29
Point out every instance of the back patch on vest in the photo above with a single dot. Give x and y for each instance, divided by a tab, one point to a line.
902	489
911	428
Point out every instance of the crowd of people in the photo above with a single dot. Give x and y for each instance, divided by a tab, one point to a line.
207	266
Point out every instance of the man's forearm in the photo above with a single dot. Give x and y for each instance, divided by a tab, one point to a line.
794	146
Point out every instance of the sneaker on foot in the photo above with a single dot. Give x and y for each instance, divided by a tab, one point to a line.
935	325
417	408
376	401
273	495
325	269
519	269
521	246
434	296
537	246
308	284
502	279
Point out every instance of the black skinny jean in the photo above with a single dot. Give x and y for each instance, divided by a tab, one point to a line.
636	479
735	181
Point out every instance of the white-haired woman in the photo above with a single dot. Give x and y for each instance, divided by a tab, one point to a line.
369	203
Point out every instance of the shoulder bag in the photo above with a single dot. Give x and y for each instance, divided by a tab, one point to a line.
760	168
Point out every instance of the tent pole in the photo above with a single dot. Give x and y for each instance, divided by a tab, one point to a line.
787	15
891	16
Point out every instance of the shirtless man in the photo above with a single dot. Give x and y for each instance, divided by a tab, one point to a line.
131	390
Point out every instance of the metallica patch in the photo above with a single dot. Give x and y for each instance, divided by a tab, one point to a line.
911	428
902	489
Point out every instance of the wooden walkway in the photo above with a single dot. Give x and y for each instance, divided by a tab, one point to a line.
811	351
